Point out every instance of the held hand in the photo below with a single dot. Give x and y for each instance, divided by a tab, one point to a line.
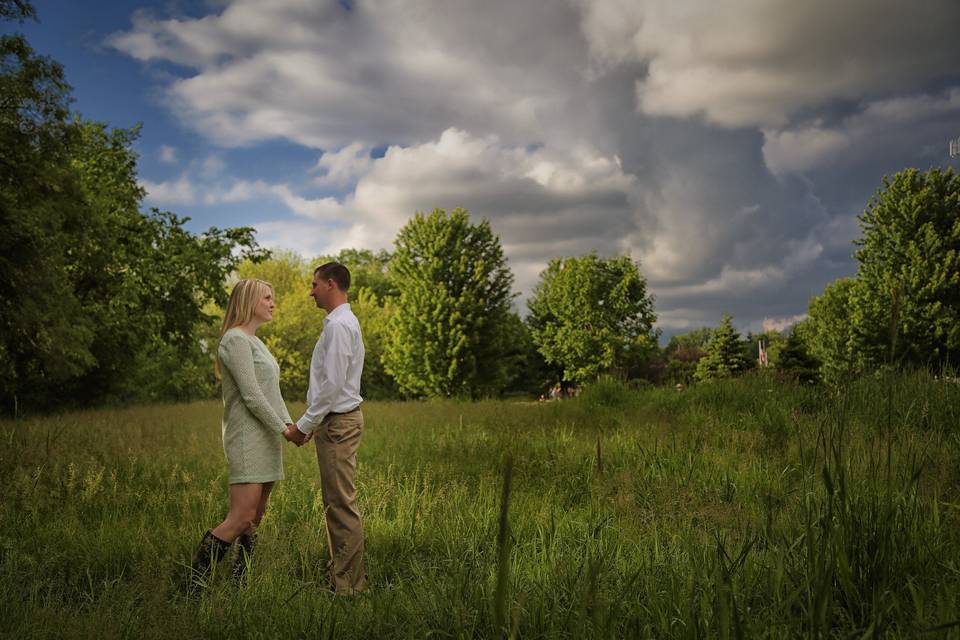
295	436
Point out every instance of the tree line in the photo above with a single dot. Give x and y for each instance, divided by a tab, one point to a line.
102	302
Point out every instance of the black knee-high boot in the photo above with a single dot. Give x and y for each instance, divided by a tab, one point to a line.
210	550
247	543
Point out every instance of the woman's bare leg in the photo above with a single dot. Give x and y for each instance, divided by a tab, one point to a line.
245	513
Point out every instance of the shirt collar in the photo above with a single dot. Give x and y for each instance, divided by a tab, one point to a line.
337	312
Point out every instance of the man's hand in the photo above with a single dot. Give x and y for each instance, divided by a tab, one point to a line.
296	436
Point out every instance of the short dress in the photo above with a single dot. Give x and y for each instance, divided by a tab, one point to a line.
254	414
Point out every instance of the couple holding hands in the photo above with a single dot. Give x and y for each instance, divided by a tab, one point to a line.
256	420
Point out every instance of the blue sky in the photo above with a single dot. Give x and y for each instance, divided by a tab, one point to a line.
728	149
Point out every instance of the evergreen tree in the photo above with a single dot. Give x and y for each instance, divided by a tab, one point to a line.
723	356
795	359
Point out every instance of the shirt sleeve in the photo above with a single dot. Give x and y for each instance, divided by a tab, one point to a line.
328	374
237	356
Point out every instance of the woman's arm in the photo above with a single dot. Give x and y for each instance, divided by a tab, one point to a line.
236	355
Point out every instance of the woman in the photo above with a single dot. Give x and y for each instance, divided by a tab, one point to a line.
254	417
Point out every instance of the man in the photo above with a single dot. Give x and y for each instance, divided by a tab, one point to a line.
333	416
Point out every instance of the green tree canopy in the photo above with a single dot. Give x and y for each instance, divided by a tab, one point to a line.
98	300
591	315
829	331
907	307
455	293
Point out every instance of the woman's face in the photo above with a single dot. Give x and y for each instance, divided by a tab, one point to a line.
264	309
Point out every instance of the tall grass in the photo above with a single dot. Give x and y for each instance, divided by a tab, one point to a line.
748	508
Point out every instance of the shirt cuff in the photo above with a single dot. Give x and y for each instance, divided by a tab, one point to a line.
304	426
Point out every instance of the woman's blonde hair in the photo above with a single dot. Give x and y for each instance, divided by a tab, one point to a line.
244	298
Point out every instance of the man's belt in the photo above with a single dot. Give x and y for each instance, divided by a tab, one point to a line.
343	413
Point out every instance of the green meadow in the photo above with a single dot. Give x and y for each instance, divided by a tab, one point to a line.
746	508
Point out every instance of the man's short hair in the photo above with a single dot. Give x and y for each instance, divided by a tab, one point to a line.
336	272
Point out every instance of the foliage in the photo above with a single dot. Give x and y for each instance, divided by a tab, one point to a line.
829	333
98	301
906	308
794	357
723	356
455	291
591	315
683	352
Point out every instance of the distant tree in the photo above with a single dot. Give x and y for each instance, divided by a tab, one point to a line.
724	354
592	315
527	371
907	306
683	352
829	332
695	339
795	359
455	292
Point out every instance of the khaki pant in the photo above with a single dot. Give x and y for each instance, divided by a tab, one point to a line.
338	438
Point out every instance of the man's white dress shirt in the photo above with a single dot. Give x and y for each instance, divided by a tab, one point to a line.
335	369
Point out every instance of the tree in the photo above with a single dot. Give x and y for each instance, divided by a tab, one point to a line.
907	307
723	357
829	331
795	359
683	352
368	270
455	292
375	316
527	372
591	315
44	335
98	301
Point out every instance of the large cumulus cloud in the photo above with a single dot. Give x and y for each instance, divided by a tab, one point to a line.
727	146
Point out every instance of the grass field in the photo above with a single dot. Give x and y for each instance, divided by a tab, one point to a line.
752	508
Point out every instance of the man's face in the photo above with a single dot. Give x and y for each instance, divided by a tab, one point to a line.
321	290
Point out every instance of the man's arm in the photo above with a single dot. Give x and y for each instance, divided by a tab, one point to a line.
328	374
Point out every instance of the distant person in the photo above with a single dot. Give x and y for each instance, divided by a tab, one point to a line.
333	414
254	419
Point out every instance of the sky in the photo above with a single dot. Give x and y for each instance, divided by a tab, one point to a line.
727	146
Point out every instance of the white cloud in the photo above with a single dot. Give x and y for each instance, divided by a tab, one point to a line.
385	72
526	194
343	167
168	154
212	166
782	324
174	192
727	146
